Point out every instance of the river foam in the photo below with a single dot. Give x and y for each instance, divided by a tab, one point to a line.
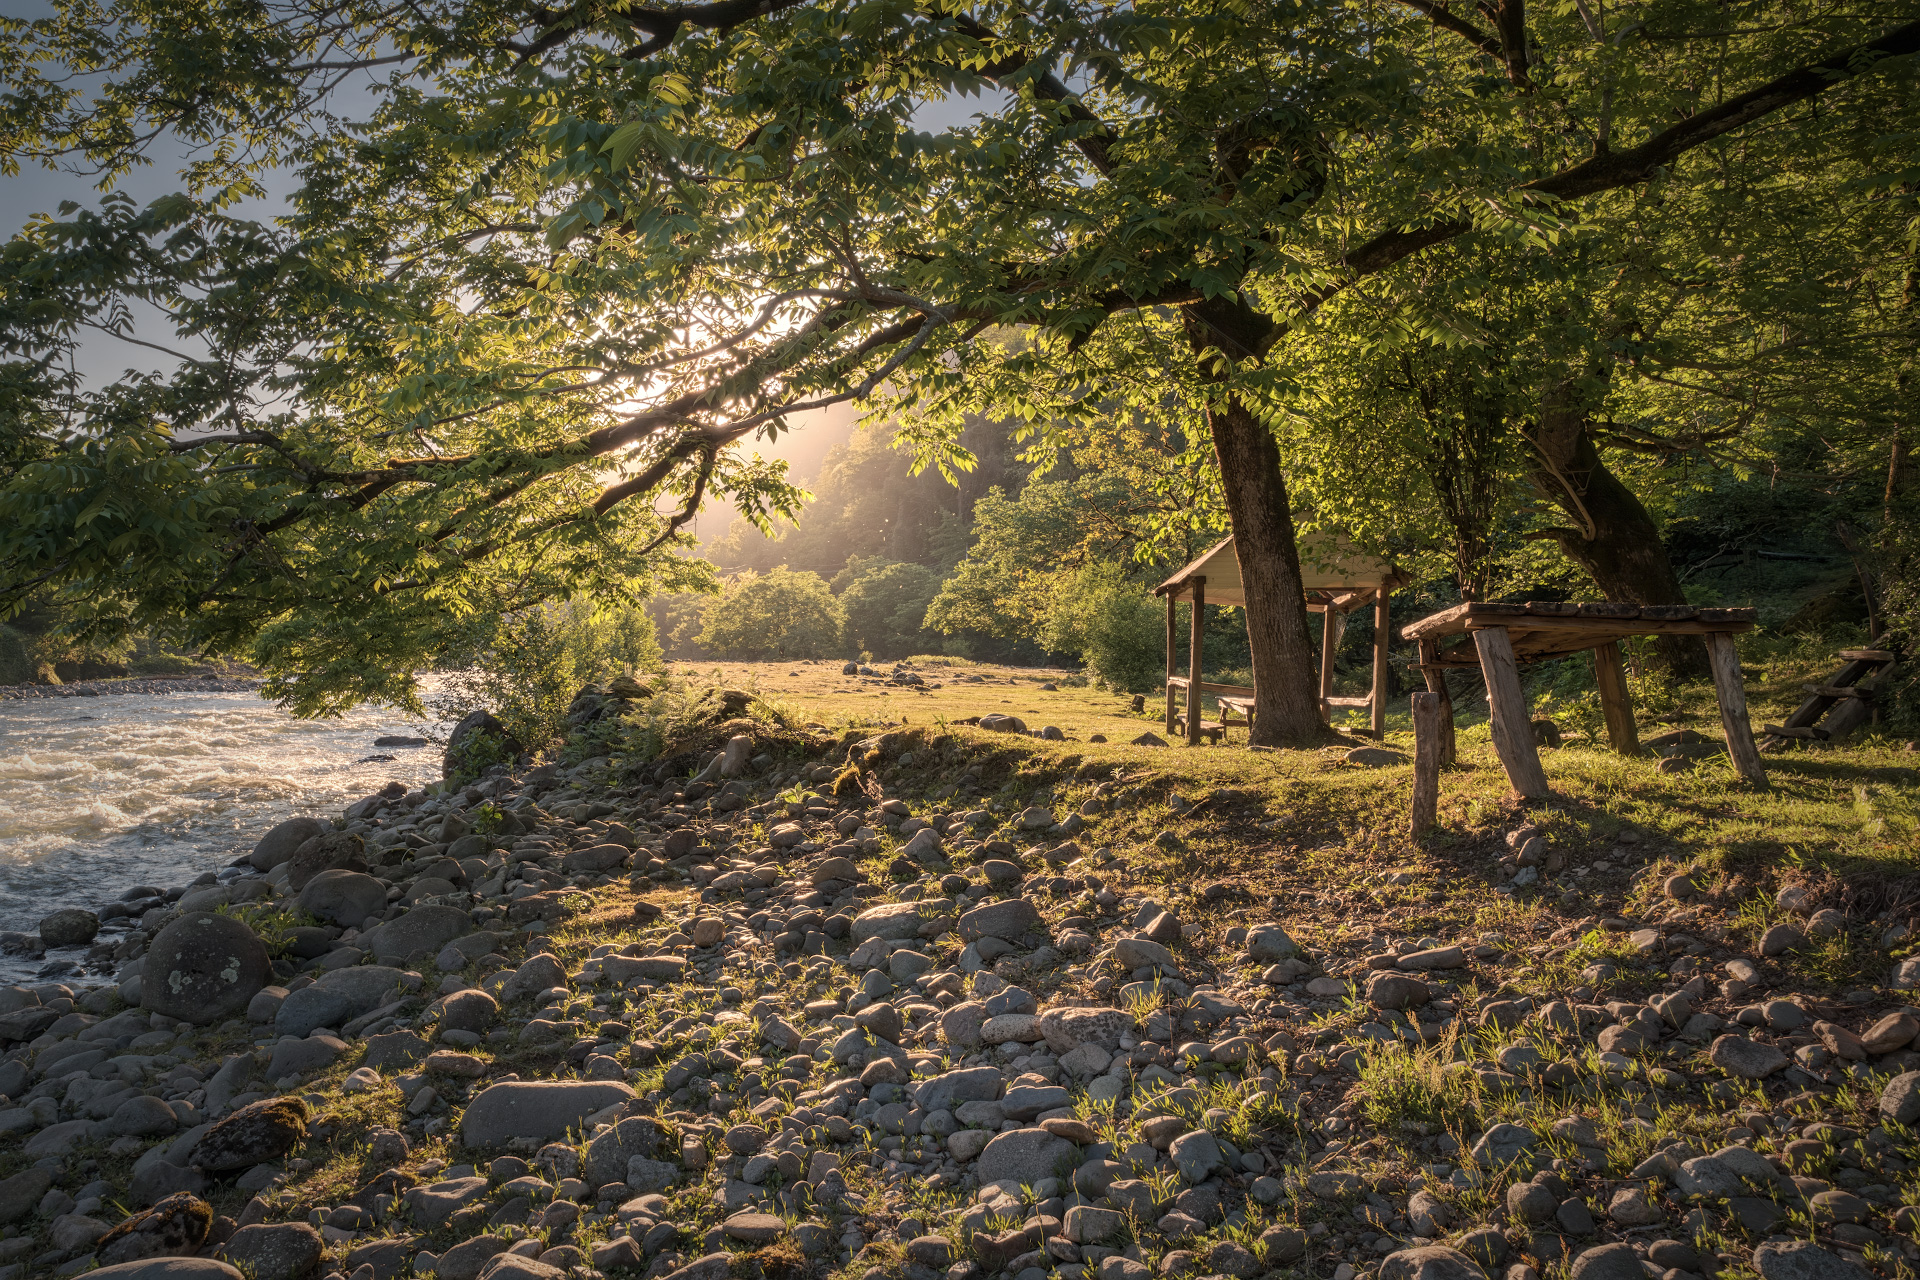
100	794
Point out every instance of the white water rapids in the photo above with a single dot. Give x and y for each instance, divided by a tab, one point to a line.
98	795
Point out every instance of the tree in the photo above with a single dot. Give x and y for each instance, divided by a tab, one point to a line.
574	255
885	607
780	614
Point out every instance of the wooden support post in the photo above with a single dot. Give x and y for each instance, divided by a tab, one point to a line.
1437	685
1507	706
1615	701
1332	622
1378	710
1193	660
1727	685
1171	633
1429	735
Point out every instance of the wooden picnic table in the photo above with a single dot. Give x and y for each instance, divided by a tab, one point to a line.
1497	638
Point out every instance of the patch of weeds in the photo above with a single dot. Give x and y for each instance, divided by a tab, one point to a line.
1401	1085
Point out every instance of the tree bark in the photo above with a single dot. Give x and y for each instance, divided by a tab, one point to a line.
1614	537
1285	666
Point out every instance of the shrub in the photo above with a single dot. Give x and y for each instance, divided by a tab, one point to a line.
1111	624
886	609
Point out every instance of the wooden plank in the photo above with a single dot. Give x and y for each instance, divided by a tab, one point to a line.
1172	633
1804	733
1349	703
1837	691
1436	678
1615	701
1742	614
1331	625
1445	622
1382	623
1507	704
1195	634
1429	734
1725	659
1668	612
1868	655
1612	626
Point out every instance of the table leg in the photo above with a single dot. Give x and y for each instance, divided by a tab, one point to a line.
1437	684
1428	740
1727	685
1378	711
1615	701
1195	634
1507	705
1330	627
1170	669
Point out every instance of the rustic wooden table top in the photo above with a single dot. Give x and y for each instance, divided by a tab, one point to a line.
1543	629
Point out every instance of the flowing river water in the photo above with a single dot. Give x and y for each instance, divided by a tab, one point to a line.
98	795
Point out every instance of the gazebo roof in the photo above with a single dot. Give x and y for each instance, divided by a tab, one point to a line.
1328	562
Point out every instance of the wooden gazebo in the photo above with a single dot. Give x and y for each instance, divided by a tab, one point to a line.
1338	578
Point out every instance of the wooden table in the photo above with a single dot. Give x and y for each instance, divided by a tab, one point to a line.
1498	637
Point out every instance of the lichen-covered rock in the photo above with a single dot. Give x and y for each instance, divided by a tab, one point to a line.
203	968
175	1225
255	1134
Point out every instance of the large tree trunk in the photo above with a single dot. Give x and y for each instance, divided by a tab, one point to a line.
1613	537
1285	665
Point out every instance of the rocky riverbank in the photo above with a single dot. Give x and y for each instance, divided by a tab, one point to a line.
758	1010
131	684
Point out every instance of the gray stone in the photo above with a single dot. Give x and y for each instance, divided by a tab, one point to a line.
960	1025
1269	942
20	1194
1389	990
299	1057
1708	1176
278	844
464	1260
425	928
433	1205
1803	1260
280	1251
69	927
1608	1262
203	968
345	898
471	1010
1503	1144
337	998
1067	1029
610	1154
1430	1262
595	859
143	1117
541	1111
1009	920
331	851
1196	1155
168	1269
892	921
536	973
968	1084
1900	1100
1024	1155
256	1133
1748	1059
1135	953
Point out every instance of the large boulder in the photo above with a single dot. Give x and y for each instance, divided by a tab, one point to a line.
477	741
1430	1262
255	1134
168	1269
345	898
278	844
176	1224
333	851
1009	920
536	1110
427	928
337	998
203	968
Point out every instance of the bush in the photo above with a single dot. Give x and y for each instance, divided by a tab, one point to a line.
1111	624
525	667
775	615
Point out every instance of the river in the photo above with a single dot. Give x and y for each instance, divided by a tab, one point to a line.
98	795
